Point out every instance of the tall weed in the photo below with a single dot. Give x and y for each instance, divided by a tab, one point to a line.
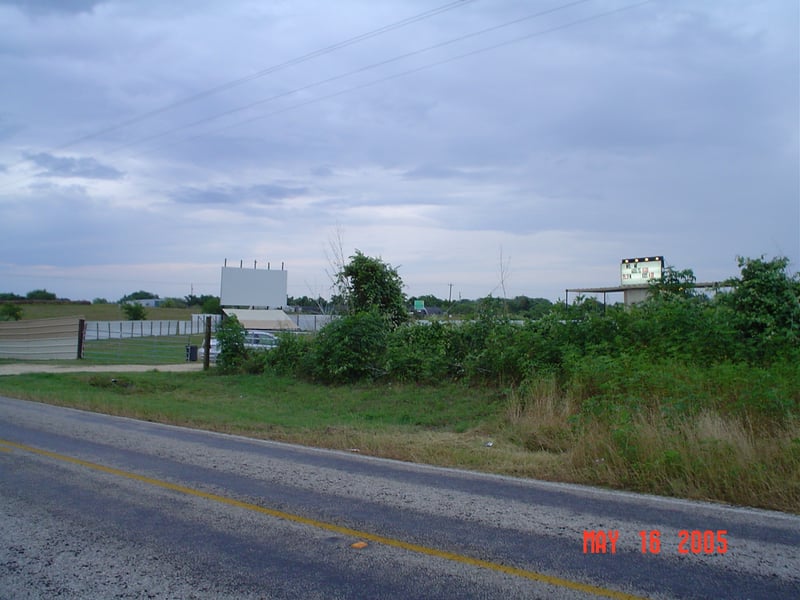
729	433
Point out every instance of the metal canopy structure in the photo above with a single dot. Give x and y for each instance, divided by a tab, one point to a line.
627	288
267	320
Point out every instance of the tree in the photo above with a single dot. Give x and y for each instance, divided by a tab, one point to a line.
134	311
173	303
140	295
539	307
369	284
40	295
766	303
211	306
431	300
674	284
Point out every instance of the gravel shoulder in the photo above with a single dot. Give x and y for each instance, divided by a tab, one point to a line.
26	368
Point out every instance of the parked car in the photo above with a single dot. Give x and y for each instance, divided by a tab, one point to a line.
253	340
260	340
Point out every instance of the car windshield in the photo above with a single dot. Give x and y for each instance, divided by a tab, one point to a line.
261	339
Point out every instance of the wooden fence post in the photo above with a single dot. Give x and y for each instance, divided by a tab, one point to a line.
81	330
207	345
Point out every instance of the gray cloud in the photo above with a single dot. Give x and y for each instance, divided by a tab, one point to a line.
321	171
39	7
434	172
68	166
670	128
262	194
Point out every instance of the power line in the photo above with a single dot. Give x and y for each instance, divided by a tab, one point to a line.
262	73
372	83
375	82
369	67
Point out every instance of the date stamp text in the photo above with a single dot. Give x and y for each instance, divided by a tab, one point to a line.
600	541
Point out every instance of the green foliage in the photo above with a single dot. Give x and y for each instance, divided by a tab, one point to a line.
674	284
430	301
351	348
566	342
231	336
9	297
463	308
487	349
608	388
99	301
204	300
173	303
765	304
681	326
369	284
211	306
292	356
533	308
134	311
10	312
312	305
40	295
421	353
140	295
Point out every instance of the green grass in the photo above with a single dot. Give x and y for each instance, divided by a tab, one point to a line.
160	350
712	448
101	312
264	403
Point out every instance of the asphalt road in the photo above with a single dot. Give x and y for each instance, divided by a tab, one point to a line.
93	506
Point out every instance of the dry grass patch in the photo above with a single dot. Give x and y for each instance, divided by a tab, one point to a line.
473	450
709	455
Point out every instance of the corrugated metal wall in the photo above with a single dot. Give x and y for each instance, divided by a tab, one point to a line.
40	339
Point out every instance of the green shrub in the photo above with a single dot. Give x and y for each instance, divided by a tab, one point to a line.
10	312
232	352
421	353
292	356
134	311
351	348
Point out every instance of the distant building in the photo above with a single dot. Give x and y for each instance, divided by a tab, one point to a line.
146	302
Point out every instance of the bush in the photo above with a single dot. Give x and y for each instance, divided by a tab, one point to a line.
134	311
755	324
10	312
232	352
351	348
292	356
765	303
421	353
211	306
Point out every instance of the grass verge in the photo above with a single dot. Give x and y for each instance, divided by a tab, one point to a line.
546	430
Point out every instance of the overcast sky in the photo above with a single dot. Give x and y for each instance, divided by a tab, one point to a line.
473	143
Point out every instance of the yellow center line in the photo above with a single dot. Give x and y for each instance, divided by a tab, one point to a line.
364	535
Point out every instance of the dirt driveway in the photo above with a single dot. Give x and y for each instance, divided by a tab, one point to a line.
24	368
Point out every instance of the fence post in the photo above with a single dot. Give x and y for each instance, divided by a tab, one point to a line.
207	345
81	330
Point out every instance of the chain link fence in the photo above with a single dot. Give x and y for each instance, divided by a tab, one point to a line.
145	342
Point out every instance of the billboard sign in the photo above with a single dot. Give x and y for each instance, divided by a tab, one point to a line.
257	288
641	271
